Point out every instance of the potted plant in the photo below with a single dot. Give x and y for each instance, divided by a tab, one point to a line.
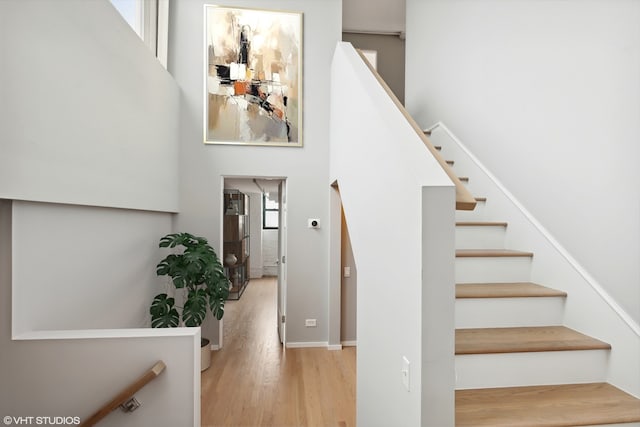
199	275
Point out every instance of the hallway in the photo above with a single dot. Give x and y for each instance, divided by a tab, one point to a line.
253	382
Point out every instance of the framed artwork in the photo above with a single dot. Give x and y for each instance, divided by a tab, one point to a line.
253	77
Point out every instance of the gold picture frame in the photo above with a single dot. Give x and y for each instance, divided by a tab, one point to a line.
253	77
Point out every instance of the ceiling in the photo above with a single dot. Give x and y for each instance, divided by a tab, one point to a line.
376	16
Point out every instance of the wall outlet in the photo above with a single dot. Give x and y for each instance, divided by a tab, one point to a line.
310	323
347	272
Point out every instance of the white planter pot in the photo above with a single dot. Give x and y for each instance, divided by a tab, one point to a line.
205	354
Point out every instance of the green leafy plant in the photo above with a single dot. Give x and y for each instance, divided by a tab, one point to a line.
197	271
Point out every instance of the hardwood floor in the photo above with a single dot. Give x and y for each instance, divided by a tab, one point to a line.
563	405
253	382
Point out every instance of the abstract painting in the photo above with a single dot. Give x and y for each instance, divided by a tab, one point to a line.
253	77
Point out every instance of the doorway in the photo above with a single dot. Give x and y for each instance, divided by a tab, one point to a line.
259	248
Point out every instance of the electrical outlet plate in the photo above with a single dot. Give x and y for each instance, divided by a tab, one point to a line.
310	323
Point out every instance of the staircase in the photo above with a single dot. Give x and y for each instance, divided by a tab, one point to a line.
516	364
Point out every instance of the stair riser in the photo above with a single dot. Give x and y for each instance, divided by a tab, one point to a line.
508	312
498	269
480	237
527	369
478	214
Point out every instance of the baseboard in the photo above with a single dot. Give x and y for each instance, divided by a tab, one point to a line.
324	344
309	344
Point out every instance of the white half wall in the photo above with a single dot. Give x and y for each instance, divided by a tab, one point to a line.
546	94
89	116
73	373
399	208
306	169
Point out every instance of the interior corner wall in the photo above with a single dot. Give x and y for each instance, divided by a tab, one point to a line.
306	169
390	50
547	96
349	289
89	116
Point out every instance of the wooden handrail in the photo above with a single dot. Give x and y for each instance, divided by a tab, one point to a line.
126	394
464	200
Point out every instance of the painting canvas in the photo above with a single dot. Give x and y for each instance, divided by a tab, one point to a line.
253	77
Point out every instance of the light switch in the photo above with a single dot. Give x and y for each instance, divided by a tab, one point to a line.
405	372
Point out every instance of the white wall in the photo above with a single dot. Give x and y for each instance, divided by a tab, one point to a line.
255	235
349	290
89	147
399	209
91	119
374	15
547	96
89	116
306	168
270	252
78	267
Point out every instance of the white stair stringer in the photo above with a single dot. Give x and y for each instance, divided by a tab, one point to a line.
530	368
508	312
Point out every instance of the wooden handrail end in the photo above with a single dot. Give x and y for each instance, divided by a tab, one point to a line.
462	205
158	367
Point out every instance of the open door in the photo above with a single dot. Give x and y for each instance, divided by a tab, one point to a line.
282	261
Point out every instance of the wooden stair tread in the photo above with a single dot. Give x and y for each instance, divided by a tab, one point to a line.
491	253
481	224
524	339
481	199
546	406
505	290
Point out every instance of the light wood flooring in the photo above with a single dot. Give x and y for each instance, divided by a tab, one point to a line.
253	382
567	405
